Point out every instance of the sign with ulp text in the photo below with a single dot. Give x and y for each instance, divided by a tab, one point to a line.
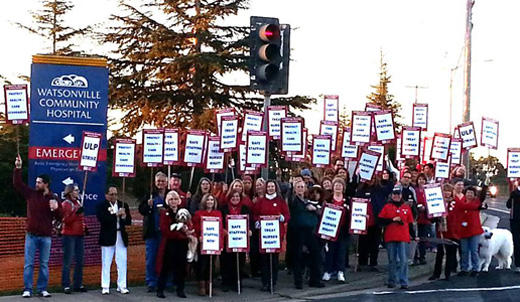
468	136
91	143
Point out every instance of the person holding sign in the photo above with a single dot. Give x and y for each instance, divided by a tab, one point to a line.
234	206
271	204
73	236
423	223
149	207
397	217
42	207
113	216
238	186
335	258
195	201
208	206
174	245
471	228
304	219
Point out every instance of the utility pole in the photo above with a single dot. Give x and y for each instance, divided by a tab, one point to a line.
467	74
417	87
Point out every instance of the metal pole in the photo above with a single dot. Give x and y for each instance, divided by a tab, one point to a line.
169	175
238	273
467	75
151	183
267	103
210	276
84	188
271	271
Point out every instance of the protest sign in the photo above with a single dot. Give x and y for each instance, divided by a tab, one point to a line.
16	104
420	116
90	145
153	140
513	163
468	136
253	121
275	114
194	147
440	147
489	133
257	149
215	160
410	142
359	216
348	151
384	126
435	206
456	151
292	135
210	244
442	170
330	221
270	235
321	145
219	113
381	150
360	130
238	234
330	128
171	146
367	164
243	168
303	156
229	133
427	149
398	156
124	158
331	108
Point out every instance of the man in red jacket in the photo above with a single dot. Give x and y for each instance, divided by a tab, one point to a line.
42	207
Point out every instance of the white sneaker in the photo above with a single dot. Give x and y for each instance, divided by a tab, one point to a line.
124	291
341	277
45	294
326	277
26	294
105	291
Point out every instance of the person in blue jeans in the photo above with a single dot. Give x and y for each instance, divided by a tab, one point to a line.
42	207
149	208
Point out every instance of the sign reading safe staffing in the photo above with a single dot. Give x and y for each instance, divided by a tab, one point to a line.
359	216
69	95
270	235
489	133
331	108
435	205
16	104
238	233
194	148
367	164
330	221
210	236
124	158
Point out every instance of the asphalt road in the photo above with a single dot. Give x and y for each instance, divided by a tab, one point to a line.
493	286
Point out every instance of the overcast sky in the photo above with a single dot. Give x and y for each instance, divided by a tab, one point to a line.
336	46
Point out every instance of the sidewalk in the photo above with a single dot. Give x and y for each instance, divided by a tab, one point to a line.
251	287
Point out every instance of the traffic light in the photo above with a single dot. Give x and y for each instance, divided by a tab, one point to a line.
269	59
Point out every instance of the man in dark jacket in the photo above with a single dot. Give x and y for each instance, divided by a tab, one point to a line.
513	203
149	208
114	216
42	207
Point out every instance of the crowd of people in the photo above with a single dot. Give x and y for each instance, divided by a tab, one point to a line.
396	219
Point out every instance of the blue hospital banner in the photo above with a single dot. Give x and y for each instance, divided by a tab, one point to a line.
68	96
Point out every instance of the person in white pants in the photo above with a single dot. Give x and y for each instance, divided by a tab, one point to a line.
113	216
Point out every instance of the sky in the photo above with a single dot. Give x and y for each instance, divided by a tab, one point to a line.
336	48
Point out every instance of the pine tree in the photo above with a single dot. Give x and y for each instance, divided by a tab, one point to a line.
173	61
50	24
381	96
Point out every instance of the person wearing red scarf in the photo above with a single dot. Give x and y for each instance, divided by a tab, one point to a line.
271	204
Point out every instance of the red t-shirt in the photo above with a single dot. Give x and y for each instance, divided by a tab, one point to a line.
397	231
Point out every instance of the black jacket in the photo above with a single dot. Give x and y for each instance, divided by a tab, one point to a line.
108	232
149	213
513	203
244	210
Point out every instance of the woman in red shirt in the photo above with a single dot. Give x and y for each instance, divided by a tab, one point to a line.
271	204
238	185
73	239
208	204
254	254
423	223
397	217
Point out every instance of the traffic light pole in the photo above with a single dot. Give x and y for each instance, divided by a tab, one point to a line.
267	103
467	78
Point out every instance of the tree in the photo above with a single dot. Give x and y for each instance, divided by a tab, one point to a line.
50	24
173	61
381	95
489	166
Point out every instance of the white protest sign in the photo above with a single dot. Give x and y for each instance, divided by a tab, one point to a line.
489	133
456	151
381	150
398	156
252	122
194	148
221	113
238	233
257	148
153	140
384	124
275	114
360	131
367	164
435	205
228	133
90	145
331	108
215	160
420	116
303	156
292	135
359	216
330	128
468	136
210	235
270	237
427	149
321	145
348	150
442	170
16	100
124	158
440	147
330	221
411	142
513	163
242	160
171	146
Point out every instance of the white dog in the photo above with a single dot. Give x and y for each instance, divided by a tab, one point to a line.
497	243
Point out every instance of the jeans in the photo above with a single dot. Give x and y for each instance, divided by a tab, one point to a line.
43	244
469	248
152	247
423	230
72	245
336	256
397	262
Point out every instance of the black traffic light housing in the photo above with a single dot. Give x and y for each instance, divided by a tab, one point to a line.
269	55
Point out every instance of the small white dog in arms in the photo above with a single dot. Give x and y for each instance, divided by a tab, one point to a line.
496	243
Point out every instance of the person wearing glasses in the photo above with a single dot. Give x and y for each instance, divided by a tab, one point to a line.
409	196
114	216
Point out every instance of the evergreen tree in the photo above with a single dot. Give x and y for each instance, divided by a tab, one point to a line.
381	95
173	61
50	24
